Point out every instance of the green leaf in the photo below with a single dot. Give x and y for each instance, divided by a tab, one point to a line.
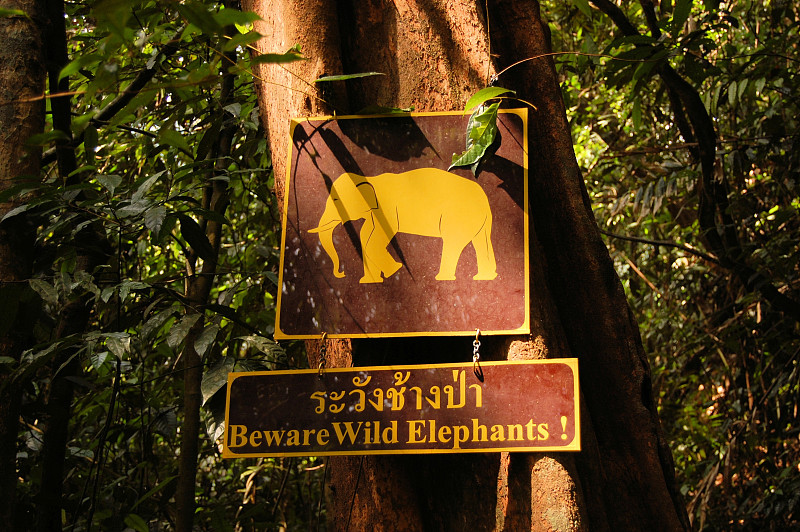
481	132
205	339
732	93
165	422
242	39
197	14
44	139
170	137
16	210
119	346
45	290
107	293
154	218
5	12
343	77
135	522
760	85
99	360
109	182
584	7
263	344
146	185
155	323
181	329
196	238
133	208
683	8
485	94
127	285
659	195
636	113
216	377
155	490
231	17
78	63
292	55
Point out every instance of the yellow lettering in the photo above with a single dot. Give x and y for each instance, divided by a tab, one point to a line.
444	434
515	432
529	426
255	438
238	437
418	391
323	437
460	435
432	433
376	433
294	438
543	432
478	395
348	431
390	433
414	430
478	431
498	433
306	434
273	436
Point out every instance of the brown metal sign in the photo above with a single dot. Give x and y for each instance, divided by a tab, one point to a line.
436	408
380	239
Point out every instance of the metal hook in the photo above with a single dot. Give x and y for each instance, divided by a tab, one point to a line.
476	356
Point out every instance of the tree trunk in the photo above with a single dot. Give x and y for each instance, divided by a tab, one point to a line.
198	288
22	76
435	55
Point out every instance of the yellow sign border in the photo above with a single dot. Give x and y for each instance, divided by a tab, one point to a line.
573	446
523	329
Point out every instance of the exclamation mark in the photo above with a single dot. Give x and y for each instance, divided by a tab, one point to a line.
564	427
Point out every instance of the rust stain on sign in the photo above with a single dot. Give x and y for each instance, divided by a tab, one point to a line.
436	408
381	240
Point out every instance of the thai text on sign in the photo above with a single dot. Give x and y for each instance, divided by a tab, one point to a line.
436	408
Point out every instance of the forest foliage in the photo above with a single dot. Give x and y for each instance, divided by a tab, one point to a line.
161	189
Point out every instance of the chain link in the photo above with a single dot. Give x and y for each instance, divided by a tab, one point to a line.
323	351
476	345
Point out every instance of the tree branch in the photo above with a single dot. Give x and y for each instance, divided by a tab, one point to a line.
118	104
714	210
665	243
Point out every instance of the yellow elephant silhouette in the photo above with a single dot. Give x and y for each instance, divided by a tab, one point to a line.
425	201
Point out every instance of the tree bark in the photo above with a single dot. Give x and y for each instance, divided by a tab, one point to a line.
435	55
22	77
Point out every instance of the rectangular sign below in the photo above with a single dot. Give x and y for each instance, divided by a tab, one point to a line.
434	408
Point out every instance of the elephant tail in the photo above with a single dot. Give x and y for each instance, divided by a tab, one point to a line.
330	226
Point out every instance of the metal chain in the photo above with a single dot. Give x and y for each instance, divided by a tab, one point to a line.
476	345
323	351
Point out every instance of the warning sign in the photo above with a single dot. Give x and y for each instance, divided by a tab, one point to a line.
435	408
381	239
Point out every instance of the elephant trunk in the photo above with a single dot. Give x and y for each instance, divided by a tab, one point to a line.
325	230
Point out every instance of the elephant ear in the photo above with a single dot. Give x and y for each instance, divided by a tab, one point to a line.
367	191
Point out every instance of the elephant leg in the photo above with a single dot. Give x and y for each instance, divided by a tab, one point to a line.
451	252
377	259
484	252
